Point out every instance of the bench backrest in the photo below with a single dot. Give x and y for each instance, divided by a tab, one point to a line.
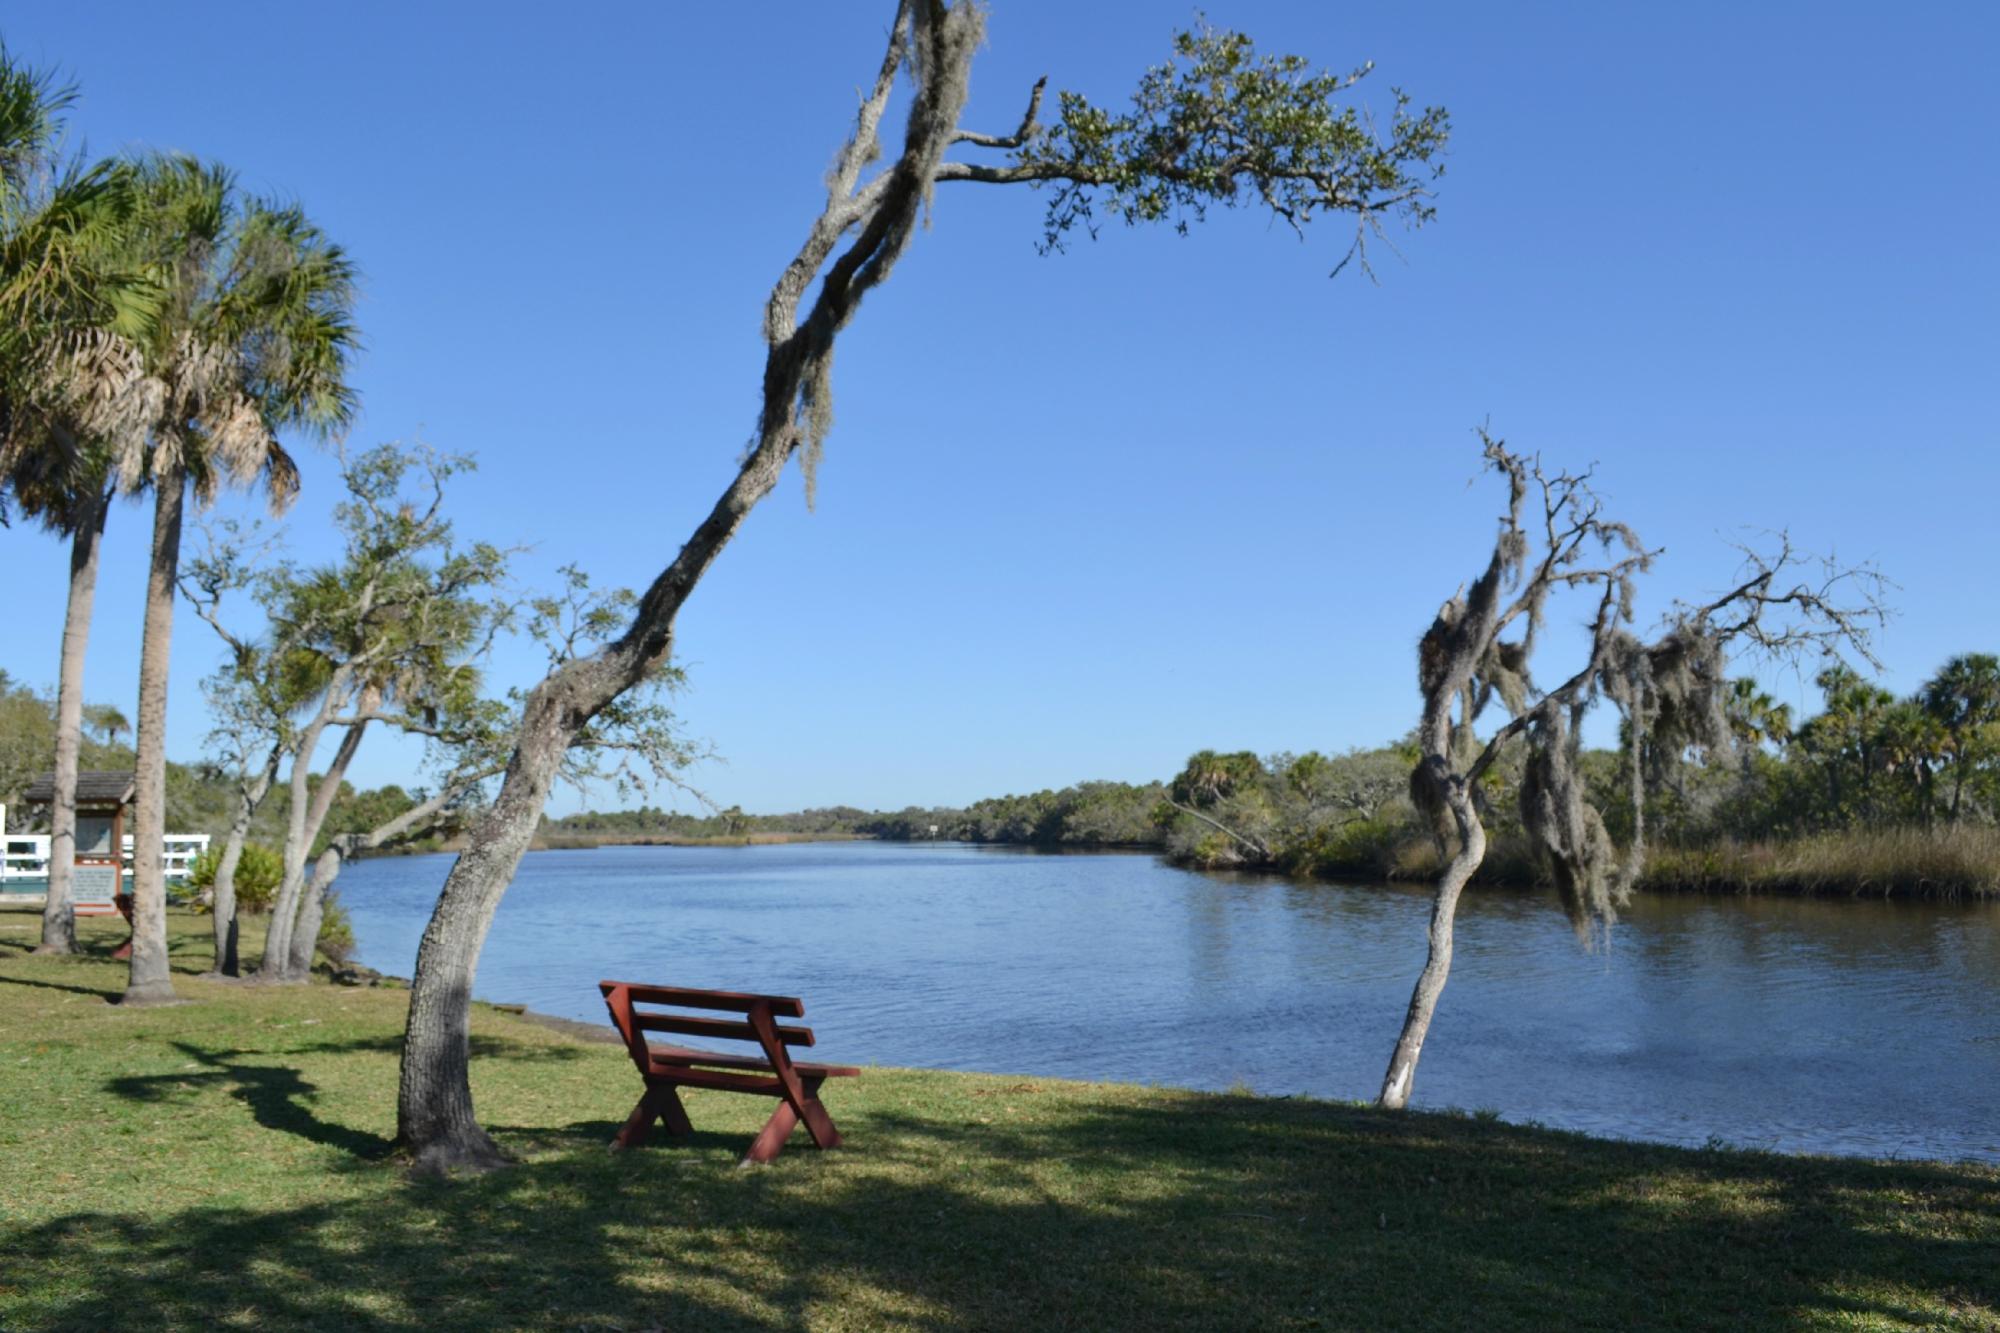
623	999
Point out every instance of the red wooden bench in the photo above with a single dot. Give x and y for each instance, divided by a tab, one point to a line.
666	1068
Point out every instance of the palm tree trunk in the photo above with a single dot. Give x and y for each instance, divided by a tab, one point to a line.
151	981
1402	1072
58	917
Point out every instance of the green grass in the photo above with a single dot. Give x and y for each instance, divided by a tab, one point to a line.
227	1164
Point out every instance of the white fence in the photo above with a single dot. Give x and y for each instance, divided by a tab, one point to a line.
26	855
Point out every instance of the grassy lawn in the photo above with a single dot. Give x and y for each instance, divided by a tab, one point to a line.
228	1163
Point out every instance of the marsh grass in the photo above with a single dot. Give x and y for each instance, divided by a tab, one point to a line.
1949	861
228	1164
1946	862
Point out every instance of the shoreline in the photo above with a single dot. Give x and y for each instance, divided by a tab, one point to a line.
366	985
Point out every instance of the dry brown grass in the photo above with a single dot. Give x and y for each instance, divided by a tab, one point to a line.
1947	862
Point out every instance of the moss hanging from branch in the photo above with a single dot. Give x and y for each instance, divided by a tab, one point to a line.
1567	831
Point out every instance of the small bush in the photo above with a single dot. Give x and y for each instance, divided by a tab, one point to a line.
336	930
258	874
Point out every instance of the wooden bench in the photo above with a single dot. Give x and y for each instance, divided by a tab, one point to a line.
667	1068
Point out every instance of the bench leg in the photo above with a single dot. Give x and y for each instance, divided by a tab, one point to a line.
770	1140
818	1123
662	1103
672	1114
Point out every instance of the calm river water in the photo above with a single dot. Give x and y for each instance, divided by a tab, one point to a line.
1849	1027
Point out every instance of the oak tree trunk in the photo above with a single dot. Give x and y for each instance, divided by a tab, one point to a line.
305	939
150	981
227	961
312	908
308	815
58	914
1402	1072
434	1115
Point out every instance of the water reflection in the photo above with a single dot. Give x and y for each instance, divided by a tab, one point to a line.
1862	1027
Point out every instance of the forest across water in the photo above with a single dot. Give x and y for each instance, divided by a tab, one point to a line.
1875	795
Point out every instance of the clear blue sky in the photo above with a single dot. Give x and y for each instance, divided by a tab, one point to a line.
1083	515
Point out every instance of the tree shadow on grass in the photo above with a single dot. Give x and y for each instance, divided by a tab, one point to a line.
101	992
483	1046
279	1098
591	1136
1178	1212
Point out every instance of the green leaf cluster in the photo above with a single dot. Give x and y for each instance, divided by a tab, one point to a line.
1222	124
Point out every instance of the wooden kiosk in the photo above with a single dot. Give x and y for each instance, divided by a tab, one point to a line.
97	884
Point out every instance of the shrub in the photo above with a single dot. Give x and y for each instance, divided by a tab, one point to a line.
336	930
257	875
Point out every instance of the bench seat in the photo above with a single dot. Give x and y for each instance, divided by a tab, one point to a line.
668	1057
667	1068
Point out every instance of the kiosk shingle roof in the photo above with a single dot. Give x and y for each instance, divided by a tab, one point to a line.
93	787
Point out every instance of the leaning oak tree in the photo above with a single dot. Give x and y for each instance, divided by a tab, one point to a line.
1216	125
1671	694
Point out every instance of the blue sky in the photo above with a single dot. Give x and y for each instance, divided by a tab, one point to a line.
1082	515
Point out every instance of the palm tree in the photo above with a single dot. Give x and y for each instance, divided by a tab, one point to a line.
1910	744
1755	720
1847	736
69	381
1964	698
107	721
254	336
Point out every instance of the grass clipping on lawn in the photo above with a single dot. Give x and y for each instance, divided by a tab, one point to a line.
227	1163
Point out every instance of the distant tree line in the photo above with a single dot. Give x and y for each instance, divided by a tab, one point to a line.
1090	814
1868	762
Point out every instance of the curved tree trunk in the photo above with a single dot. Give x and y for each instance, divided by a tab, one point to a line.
58	916
434	1115
1402	1072
228	962
308	814
150	981
312	909
248	798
